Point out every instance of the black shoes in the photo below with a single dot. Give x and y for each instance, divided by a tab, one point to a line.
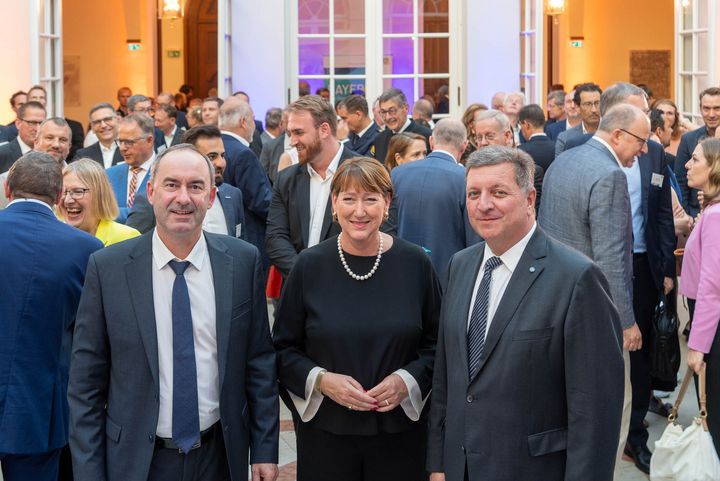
640	455
658	407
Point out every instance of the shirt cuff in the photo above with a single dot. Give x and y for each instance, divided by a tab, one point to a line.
308	407
414	403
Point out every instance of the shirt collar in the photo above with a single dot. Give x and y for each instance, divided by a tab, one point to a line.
404	127
436	151
35	201
148	163
607	146
24	148
511	257
112	147
362	132
331	168
538	134
172	133
237	137
162	255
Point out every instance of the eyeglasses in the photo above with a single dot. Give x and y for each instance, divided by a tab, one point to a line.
639	139
141	110
76	194
589	105
34	123
488	137
107	120
392	111
129	143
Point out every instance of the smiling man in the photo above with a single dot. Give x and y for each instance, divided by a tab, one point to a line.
29	117
394	112
104	123
587	100
542	373
54	137
195	376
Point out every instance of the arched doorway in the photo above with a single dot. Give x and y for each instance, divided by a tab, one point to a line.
201	45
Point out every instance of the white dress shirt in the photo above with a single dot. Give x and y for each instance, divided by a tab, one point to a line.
215	219
319	196
500	276
202	307
108	153
144	169
169	137
24	148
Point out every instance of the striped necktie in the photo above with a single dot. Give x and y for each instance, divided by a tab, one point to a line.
478	318
133	186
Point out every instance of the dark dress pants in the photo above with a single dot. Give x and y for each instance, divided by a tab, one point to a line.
206	463
34	467
645	298
323	456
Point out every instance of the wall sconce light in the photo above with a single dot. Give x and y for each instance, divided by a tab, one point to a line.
554	7
170	9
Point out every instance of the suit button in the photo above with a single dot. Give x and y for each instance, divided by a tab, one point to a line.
151	438
227	426
469	399
462	448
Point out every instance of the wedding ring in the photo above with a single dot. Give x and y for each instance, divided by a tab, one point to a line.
350	407
387	403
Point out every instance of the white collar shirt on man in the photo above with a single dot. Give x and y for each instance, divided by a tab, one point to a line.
201	290
169	137
500	276
108	153
214	220
404	127
363	131
320	196
24	148
440	151
34	201
237	137
607	146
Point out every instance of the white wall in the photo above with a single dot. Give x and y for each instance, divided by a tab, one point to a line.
16	35
258	53
492	60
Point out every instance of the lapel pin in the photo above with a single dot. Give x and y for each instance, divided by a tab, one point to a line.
532	269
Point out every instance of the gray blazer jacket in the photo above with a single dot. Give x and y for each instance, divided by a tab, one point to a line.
563	138
114	374
547	400
586	205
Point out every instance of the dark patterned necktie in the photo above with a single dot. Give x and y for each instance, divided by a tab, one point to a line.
478	318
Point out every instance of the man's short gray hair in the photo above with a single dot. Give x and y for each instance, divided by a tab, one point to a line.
449	132
134	100
231	113
498	154
557	96
424	108
59	121
394	94
145	122
100	106
500	119
618	94
273	117
621	116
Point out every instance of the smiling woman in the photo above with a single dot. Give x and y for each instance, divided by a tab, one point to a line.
88	203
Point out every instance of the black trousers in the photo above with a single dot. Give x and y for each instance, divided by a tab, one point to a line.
323	456
206	463
645	298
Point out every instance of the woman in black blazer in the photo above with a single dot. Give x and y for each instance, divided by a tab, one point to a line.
355	334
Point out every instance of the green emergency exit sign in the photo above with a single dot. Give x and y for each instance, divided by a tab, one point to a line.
173	53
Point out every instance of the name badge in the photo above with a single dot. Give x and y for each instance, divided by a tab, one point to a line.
657	179
238	230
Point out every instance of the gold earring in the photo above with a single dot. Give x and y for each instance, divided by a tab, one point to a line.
386	216
334	216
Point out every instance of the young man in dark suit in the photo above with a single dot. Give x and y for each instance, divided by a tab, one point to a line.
538	145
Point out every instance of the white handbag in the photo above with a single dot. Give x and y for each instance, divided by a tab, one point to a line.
689	454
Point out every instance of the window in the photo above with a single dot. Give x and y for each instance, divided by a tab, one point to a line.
694	59
531	50
46	62
225	48
355	46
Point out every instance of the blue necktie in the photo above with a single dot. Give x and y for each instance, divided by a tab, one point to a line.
185	417
478	318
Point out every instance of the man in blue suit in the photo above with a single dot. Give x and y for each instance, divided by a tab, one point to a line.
226	215
430	197
356	114
43	271
244	170
135	141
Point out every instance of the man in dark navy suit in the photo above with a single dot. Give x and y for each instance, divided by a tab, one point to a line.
44	264
10	131
710	110
354	110
104	123
394	111
539	146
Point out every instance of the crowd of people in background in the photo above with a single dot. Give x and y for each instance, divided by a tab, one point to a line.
434	279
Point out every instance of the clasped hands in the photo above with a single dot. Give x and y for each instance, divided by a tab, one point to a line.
347	392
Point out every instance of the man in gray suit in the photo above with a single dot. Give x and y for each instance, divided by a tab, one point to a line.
173	371
527	385
587	100
586	205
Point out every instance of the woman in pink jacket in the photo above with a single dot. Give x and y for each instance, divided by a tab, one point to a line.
701	276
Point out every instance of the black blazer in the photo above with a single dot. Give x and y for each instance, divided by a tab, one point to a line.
288	222
541	149
383	139
160	138
9	153
93	152
363	145
688	142
78	137
270	156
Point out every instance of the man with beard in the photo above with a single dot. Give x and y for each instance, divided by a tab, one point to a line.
225	215
300	210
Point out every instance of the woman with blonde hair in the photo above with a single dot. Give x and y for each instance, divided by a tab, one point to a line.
405	147
89	203
701	277
468	120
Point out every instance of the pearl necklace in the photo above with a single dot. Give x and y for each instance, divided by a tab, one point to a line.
347	268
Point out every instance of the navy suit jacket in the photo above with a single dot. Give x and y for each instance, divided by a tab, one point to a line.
363	145
688	142
383	139
114	377
245	172
142	216
10	132
44	263
554	129
159	139
118	176
93	152
542	149
430	213
9	153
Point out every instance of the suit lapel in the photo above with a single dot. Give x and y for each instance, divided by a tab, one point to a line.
138	272
645	164
303	190
522	279
225	200
327	217
222	271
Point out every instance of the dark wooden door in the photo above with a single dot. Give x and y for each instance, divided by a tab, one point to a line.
201	30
